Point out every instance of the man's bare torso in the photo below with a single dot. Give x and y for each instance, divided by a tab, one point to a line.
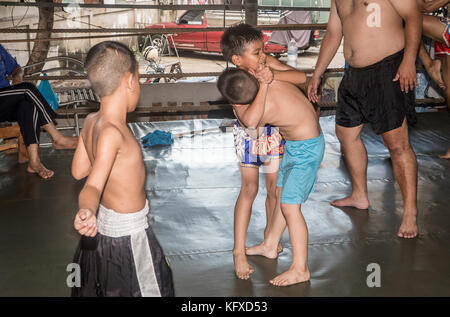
288	109
372	30
124	189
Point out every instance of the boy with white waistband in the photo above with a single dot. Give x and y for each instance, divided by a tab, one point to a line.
118	252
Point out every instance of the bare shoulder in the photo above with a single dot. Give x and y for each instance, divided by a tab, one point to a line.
90	119
111	132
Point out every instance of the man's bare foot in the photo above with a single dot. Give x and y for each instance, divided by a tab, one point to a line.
408	228
434	70
350	201
264	250
40	170
241	266
290	277
446	155
65	142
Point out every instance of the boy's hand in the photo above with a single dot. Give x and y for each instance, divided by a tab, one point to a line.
264	75
86	223
313	87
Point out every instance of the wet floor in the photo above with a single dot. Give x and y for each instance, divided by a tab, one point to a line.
193	186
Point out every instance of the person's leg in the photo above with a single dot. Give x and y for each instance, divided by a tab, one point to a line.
446	75
34	163
446	78
45	115
432	27
432	66
405	171
272	168
356	160
446	156
59	140
29	128
242	213
269	248
298	233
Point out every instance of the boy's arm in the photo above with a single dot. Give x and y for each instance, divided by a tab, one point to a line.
283	72
251	116
108	146
81	165
431	6
409	12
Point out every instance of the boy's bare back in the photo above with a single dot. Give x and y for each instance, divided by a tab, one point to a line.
288	109
124	188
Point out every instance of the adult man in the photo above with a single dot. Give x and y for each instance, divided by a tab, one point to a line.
377	88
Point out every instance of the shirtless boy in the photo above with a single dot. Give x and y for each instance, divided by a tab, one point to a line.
283	105
118	252
243	46
378	88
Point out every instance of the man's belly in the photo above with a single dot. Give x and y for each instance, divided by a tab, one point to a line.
366	47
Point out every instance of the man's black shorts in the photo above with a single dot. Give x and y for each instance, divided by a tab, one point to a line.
368	95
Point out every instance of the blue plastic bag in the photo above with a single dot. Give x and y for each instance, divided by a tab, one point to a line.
48	93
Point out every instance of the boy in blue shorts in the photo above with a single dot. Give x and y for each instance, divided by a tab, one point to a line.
243	46
266	100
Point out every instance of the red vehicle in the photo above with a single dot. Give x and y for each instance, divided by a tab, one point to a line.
204	41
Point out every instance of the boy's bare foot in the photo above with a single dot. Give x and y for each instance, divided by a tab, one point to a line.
264	250
290	277
408	228
280	248
65	142
445	156
435	72
350	201
40	170
241	266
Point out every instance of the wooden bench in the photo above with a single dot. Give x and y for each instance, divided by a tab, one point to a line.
13	141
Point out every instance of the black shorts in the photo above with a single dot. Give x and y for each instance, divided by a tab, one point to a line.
368	95
124	259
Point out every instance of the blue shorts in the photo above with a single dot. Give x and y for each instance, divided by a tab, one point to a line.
298	169
256	152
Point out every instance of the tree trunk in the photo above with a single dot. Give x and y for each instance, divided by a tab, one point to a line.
40	49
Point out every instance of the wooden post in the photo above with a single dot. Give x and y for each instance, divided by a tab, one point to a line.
28	41
251	12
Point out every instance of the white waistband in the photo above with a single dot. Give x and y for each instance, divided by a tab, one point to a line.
114	224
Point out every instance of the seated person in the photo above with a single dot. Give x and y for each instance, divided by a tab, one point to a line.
22	102
262	101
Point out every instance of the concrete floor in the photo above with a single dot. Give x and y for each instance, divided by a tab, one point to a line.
193	185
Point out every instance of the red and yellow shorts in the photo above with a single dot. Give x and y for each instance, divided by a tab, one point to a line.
257	152
443	48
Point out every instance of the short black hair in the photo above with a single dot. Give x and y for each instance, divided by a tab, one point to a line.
106	64
235	38
238	86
